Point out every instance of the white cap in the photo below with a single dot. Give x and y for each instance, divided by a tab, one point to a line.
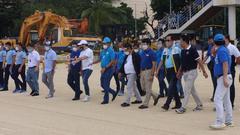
83	42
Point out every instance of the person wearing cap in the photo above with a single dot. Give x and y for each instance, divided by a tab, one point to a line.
162	85
235	56
148	64
131	68
49	66
19	69
33	69
3	54
171	62
190	60
107	59
74	70
222	71
10	63
86	57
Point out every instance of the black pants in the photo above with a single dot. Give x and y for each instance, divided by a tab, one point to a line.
1	75
214	79
6	77
20	85
119	83
74	82
172	89
232	90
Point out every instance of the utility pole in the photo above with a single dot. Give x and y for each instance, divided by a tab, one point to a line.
135	20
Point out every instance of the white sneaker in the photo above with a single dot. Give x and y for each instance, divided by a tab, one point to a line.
86	99
217	126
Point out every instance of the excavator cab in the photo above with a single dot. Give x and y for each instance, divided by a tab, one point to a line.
34	37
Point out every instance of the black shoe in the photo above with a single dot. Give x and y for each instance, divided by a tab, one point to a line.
76	98
104	103
143	93
212	100
143	107
31	93
161	96
114	96
35	94
5	89
156	100
165	108
176	107
181	97
125	105
136	102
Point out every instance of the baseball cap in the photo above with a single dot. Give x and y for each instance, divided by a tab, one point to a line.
106	40
219	37
83	42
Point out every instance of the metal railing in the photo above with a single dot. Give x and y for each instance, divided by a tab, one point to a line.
177	20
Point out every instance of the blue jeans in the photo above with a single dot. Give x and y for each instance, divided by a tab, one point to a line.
105	84
32	79
85	76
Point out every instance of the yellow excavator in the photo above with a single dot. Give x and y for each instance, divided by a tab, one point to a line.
36	27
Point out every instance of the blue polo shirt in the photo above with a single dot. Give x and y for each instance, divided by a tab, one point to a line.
119	58
49	57
3	54
159	53
106	56
9	56
73	55
222	56
147	57
20	56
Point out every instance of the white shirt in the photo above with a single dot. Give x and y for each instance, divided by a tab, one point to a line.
87	63
233	51
33	58
128	66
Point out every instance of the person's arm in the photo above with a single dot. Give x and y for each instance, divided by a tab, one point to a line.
225	74
38	62
4	61
202	68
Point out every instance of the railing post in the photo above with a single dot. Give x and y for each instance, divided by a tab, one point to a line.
202	3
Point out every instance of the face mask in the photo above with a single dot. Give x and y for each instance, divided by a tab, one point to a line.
145	47
30	49
105	46
126	53
7	48
16	48
47	48
159	46
120	49
135	50
74	49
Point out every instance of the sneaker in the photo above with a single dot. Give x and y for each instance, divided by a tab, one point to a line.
136	102
86	99
16	91
125	105
217	126
104	103
120	93
229	124
49	96
35	94
198	108
143	107
181	110
165	108
156	100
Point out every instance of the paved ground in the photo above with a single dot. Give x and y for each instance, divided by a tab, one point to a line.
22	114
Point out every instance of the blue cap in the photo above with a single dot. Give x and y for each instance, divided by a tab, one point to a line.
106	40
219	37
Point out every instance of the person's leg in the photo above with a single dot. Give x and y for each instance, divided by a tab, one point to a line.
232	90
130	87
171	89
6	77
1	75
218	100
179	87
227	105
35	80
122	83
50	76
70	80
141	91
135	90
29	79
23	76
145	86
86	74
115	75
76	79
110	75
105	88
213	82
45	79
14	76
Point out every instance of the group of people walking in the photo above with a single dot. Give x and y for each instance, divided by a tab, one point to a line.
134	65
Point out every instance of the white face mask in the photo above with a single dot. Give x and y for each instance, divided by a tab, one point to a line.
145	47
30	49
136	50
47	48
105	46
7	48
74	49
126	53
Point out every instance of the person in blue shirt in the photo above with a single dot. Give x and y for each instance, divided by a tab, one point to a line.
2	63
119	57
222	72
107	59
50	60
148	64
210	64
161	75
10	62
74	69
19	69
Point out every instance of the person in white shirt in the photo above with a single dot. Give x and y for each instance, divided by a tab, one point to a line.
86	57
33	70
235	55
